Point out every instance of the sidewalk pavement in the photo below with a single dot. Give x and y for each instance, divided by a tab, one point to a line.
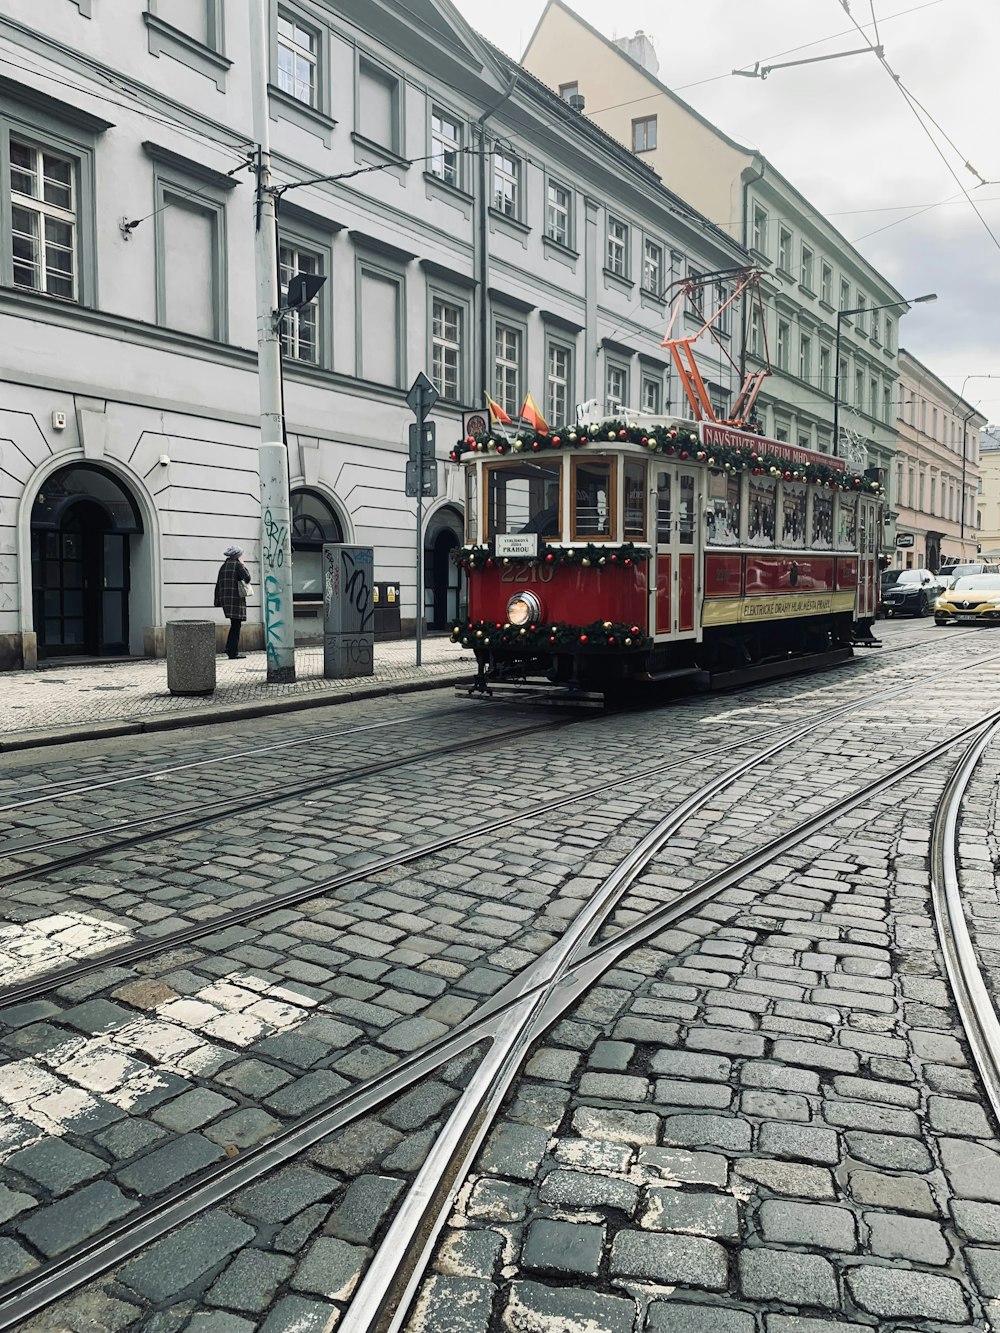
85	700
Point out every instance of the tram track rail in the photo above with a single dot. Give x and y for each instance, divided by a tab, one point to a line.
203	814
124	955
510	1021
975	1005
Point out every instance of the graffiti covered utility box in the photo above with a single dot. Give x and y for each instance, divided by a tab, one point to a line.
348	611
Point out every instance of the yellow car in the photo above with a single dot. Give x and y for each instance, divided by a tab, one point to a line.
974	600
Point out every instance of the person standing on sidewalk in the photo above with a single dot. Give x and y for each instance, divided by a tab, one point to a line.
231	594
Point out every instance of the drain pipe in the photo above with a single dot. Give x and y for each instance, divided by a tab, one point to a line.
484	259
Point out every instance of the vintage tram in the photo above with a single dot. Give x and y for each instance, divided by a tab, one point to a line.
651	549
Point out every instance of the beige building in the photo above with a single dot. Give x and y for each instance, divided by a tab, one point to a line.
937	470
988	499
814	281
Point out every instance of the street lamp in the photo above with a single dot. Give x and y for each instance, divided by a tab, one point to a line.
841	316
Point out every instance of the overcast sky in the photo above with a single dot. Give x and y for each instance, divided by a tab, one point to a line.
843	134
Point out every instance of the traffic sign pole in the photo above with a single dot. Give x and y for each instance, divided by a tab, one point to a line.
420	398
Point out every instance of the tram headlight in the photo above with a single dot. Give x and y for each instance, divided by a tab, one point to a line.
524	608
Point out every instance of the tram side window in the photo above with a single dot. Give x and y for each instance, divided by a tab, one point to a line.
762	499
593	500
722	514
847	523
471	506
635	501
664	512
793	515
822	529
685	517
523	497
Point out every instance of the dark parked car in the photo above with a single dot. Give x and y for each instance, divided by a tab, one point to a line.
909	592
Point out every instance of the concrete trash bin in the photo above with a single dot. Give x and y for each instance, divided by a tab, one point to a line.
190	656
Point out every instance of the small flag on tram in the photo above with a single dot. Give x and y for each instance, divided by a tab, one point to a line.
534	418
497	414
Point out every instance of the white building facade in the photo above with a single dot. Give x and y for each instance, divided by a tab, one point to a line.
481	231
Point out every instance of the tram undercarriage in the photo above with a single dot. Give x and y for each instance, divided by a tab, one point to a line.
728	655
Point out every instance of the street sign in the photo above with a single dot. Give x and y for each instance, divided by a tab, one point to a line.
430	479
423	439
421	396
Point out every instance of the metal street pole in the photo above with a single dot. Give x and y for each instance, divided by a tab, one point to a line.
276	541
420	564
836	388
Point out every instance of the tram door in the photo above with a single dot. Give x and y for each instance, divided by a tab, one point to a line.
869	542
676	591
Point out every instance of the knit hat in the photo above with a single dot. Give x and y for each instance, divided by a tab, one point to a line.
232	550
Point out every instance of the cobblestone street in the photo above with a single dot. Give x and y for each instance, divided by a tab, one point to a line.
455	1018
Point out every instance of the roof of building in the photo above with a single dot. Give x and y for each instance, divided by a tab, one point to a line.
686	106
907	356
583	124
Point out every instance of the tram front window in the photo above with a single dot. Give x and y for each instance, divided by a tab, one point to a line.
524	497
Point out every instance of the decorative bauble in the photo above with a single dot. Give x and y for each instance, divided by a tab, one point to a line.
628	643
607	624
585	562
556	439
623	434
518	446
583	638
787	476
684	454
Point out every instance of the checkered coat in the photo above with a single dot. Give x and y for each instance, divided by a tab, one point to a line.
230	588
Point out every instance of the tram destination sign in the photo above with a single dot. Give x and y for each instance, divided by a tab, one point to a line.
516	545
726	437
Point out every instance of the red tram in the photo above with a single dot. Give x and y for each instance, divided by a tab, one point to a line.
610	552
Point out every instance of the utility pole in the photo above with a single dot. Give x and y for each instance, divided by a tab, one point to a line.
276	540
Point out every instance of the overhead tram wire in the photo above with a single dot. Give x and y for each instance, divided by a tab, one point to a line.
201	138
792	50
916	107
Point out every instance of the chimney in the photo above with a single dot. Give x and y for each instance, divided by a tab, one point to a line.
640	48
577	101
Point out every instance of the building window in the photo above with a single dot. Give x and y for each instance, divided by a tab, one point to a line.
43	220
652	267
806	268
191	270
508	369
652	394
446	147
859	318
875	330
313	523
616	385
558	203
723	324
805	357
378	105
873	396
845	294
755	339
506	183
888	335
784	250
297	59
446	348
826	284
299	328
934	423
568	90
560	367
644	134
784	335
859	390
758	240
617	248
825	382
380	340
887	404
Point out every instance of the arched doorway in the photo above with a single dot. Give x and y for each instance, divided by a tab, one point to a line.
445	581
81	524
442	577
314	521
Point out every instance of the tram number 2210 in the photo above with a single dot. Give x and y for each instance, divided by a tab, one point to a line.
525	573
